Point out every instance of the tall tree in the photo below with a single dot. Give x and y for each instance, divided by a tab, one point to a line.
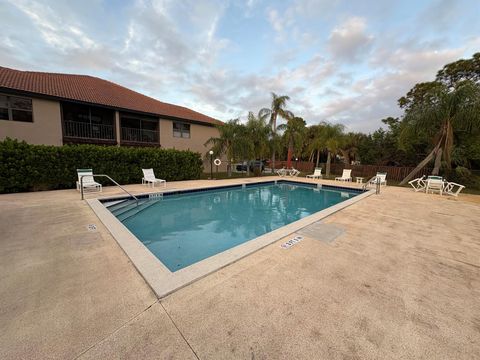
460	70
350	144
258	132
295	130
231	142
331	136
315	142
441	112
277	108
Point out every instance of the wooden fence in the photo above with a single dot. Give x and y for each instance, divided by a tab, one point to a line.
395	173
304	166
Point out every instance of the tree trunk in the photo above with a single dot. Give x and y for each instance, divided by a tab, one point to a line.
289	157
274	129
289	154
327	170
438	162
422	164
312	154
229	160
318	157
273	161
229	168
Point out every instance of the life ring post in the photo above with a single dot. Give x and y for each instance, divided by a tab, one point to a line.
217	163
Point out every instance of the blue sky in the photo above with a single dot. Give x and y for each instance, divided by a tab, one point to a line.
339	61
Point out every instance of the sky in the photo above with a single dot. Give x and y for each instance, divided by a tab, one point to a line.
339	61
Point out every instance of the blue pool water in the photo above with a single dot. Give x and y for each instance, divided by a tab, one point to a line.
183	229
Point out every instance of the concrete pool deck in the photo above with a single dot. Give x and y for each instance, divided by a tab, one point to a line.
402	281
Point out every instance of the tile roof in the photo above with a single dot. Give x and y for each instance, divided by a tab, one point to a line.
94	90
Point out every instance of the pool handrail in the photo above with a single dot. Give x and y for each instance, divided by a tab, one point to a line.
116	183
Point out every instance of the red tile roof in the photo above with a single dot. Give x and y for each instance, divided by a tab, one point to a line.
94	90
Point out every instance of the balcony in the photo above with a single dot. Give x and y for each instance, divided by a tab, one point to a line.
82	132
135	136
75	131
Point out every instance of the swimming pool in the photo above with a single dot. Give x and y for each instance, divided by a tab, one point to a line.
185	227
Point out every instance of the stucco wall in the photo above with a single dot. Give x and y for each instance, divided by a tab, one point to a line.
46	127
199	134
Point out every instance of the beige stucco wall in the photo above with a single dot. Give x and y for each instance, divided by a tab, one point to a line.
199	134
46	127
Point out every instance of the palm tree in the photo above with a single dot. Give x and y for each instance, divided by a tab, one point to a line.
229	142
331	136
295	131
443	114
258	132
350	144
315	141
277	108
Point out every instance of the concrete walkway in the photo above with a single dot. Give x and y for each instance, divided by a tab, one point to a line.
402	281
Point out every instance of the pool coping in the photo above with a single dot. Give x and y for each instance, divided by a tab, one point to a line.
162	281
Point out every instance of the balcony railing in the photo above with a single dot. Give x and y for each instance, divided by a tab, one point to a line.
139	135
75	129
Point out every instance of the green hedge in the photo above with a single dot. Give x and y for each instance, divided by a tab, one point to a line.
25	167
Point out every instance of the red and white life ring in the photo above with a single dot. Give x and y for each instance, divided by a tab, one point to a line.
217	162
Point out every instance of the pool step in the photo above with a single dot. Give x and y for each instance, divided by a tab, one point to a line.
117	204
134	211
130	204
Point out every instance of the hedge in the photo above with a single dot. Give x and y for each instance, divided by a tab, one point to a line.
25	167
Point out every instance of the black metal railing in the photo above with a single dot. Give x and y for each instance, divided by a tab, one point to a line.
139	135
82	130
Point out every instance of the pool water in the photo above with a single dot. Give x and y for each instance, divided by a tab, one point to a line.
183	229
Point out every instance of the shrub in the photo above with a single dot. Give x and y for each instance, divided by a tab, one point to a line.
25	167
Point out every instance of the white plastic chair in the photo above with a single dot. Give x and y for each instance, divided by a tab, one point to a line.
435	184
293	172
85	179
282	172
453	189
149	178
419	184
381	177
346	175
317	174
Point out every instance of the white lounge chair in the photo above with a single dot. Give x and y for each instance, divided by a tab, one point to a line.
346	175
282	172
85	179
317	174
419	184
149	178
451	188
380	177
435	184
293	172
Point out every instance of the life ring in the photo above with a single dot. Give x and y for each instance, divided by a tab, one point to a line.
217	162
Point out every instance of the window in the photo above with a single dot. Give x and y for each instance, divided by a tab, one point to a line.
139	128
15	108
87	122
181	130
87	114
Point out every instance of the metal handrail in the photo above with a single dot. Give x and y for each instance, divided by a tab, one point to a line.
116	183
377	184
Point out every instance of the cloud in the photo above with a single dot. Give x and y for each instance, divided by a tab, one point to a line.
317	9
336	63
440	14
349	41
